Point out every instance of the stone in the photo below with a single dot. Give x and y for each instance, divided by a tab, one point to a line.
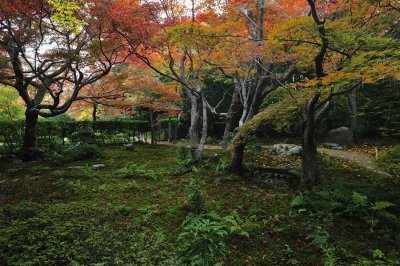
76	167
98	166
287	149
59	172
34	177
12	170
86	134
332	146
342	136
129	147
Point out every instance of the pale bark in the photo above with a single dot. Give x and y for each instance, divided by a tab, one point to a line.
232	110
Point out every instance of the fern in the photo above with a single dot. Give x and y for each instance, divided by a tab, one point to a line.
320	239
381	205
298	201
359	200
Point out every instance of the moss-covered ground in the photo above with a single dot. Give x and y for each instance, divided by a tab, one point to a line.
64	215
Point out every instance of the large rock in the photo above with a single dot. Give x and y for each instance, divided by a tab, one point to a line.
342	136
287	149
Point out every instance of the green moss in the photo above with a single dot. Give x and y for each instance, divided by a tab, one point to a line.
50	214
390	161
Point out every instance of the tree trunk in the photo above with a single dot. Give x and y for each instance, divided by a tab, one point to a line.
152	126
30	150
311	172
239	145
239	142
194	120
310	167
202	142
232	109
169	130
353	113
94	113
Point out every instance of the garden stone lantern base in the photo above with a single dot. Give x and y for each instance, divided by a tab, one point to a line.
86	134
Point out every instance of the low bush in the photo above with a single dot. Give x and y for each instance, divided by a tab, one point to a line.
81	151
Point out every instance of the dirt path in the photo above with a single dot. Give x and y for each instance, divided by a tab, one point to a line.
358	159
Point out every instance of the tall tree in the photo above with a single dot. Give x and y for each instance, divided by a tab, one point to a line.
338	49
50	54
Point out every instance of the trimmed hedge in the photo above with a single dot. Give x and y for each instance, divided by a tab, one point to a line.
50	131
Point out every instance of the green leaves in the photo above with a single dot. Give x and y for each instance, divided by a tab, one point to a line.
371	212
10	108
320	239
64	14
136	171
359	200
204	236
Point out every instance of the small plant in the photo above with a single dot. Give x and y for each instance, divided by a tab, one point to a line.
204	236
212	141
378	259
123	209
202	239
194	195
221	166
136	171
185	161
183	151
370	212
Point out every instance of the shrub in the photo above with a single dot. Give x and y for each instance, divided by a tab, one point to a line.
81	151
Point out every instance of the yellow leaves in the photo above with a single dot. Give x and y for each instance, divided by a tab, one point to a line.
329	80
64	14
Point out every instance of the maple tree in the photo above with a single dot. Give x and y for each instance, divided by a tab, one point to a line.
127	90
50	51
178	47
337	52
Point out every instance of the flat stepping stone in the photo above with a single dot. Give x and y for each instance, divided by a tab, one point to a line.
98	166
76	167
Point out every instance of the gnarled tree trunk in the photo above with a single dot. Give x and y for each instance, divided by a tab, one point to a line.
310	167
30	150
239	144
312	117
